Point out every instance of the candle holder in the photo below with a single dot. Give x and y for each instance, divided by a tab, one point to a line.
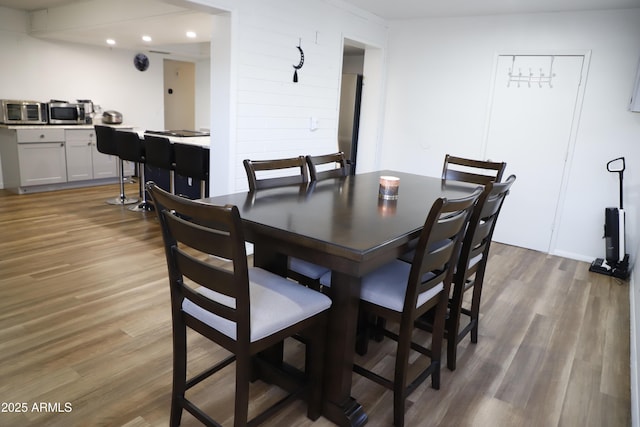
389	186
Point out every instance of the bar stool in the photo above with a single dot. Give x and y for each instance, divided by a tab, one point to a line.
106	144
129	148
192	161
159	154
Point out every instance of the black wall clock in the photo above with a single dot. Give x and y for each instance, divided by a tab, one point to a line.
141	62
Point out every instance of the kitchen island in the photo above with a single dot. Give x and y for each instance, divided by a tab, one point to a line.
184	180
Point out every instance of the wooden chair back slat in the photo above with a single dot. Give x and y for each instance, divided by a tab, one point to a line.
470	170
340	167
297	164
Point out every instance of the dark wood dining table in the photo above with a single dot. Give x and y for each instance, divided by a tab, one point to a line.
342	224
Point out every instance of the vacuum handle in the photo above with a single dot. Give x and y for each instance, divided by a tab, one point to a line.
616	167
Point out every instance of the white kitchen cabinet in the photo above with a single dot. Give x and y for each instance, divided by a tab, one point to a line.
46	158
42	163
41	157
84	161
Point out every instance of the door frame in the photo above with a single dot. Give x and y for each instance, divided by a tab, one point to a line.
372	101
575	124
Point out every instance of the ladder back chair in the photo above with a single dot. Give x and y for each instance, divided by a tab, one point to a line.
400	292
244	310
469	170
469	273
302	271
317	171
253	167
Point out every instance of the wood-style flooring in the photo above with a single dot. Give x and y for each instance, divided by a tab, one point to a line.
85	333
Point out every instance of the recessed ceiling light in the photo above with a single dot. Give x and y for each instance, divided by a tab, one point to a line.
191	34
146	38
111	42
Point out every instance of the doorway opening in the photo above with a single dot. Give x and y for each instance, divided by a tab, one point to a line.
350	102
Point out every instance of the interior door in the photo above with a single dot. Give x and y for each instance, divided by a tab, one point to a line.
179	95
533	109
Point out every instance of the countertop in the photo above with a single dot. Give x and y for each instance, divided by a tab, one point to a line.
85	126
204	141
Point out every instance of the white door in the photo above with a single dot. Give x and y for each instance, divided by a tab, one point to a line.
534	107
179	95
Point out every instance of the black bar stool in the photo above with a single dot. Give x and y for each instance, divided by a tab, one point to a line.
125	152
192	161
106	144
159	154
133	149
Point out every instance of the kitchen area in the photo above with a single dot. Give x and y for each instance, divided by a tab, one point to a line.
48	145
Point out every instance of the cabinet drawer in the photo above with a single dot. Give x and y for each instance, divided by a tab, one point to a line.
80	135
40	135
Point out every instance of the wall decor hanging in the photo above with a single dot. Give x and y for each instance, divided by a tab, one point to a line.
300	64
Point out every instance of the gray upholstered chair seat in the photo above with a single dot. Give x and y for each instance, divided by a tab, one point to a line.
267	291
387	286
305	268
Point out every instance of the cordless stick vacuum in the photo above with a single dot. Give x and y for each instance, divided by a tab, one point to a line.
616	263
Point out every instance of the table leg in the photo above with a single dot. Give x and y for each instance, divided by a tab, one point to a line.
339	406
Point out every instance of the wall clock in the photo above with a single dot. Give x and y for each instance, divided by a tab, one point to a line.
141	62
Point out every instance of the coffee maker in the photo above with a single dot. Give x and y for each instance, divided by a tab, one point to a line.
88	110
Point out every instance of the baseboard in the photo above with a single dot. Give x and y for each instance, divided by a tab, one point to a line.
575	256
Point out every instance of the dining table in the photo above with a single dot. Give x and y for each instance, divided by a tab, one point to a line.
346	226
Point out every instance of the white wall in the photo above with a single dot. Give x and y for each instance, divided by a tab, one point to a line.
438	91
438	95
272	112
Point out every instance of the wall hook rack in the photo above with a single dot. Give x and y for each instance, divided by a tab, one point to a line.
530	78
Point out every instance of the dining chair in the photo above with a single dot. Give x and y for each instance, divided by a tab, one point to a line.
470	270
470	170
244	310
400	292
318	171
456	169
304	272
270	172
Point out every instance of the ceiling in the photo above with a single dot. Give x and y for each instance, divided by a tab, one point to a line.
170	38
408	9
166	26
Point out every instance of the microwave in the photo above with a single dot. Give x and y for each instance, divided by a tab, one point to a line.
64	113
14	112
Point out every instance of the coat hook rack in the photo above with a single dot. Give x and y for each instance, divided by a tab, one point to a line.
531	78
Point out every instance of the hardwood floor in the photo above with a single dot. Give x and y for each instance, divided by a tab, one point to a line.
85	330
